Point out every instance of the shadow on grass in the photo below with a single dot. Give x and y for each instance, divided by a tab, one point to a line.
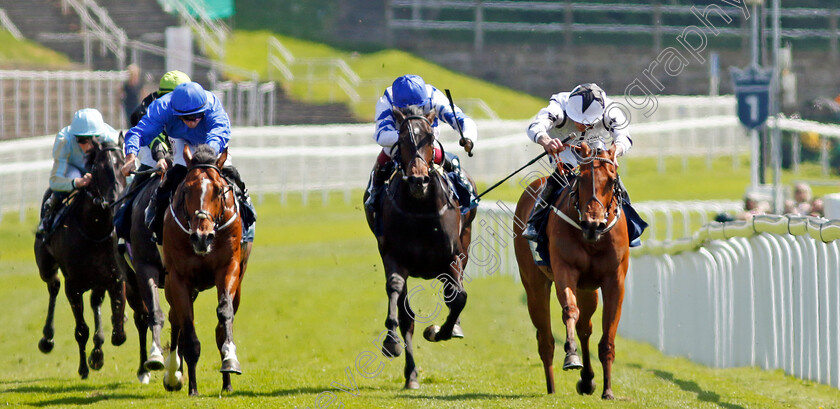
65	388
691	386
468	396
309	390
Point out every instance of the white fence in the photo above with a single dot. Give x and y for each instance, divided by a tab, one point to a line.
324	159
759	293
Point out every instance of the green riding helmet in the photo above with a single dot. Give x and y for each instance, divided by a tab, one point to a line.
170	80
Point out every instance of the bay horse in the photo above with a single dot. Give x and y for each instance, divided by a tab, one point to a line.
424	235
84	247
144	275
589	249
202	248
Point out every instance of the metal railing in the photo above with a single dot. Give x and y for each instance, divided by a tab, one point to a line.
102	28
409	15
211	32
332	72
7	23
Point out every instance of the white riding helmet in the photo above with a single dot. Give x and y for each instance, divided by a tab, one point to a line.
586	104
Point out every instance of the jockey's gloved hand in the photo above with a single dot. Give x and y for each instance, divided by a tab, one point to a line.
468	144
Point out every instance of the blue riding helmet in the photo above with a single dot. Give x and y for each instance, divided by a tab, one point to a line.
189	98
87	122
409	90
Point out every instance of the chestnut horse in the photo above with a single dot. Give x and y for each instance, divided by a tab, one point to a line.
423	235
589	249
202	248
84	247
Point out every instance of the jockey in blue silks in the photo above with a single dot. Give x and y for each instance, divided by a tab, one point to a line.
406	91
69	149
190	116
582	115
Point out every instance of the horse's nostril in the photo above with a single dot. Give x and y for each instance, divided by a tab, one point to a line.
194	237
602	226
426	180
210	237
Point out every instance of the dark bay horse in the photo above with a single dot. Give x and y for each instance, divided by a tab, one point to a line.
144	275
588	249
424	235
202	249
84	247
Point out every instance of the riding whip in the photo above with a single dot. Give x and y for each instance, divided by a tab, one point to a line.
511	175
463	140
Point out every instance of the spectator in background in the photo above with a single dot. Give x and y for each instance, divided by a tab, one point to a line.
817	207
801	199
753	205
130	92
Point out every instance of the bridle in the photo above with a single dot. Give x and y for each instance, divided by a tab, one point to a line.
97	197
218	224
614	205
413	137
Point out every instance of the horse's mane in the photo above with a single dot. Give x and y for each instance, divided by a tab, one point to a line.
412	110
204	155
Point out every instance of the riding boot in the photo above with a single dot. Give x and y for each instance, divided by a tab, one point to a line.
451	163
160	200
246	208
46	214
378	176
541	207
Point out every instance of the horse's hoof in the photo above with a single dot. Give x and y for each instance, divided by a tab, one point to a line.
580	387
391	349
84	372
118	338
231	366
96	359
412	385
154	363
144	377
607	396
431	332
46	345
170	387
457	332
572	361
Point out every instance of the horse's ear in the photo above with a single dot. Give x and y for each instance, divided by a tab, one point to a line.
612	151
399	116
431	116
585	150
222	158
188	157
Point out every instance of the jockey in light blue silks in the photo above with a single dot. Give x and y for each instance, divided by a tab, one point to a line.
69	149
406	91
190	116
583	115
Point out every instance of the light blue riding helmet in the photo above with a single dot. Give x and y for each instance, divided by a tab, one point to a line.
189	98
89	122
409	90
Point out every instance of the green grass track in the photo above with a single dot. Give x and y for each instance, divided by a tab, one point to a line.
313	303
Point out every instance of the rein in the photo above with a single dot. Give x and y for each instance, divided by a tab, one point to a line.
407	120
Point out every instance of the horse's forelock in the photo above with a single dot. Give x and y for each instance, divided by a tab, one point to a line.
204	155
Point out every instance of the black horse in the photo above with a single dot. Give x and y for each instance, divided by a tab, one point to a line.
424	235
144	275
84	247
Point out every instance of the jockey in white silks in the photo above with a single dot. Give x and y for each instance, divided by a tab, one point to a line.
585	114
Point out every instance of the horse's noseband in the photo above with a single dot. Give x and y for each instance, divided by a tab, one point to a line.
407	122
